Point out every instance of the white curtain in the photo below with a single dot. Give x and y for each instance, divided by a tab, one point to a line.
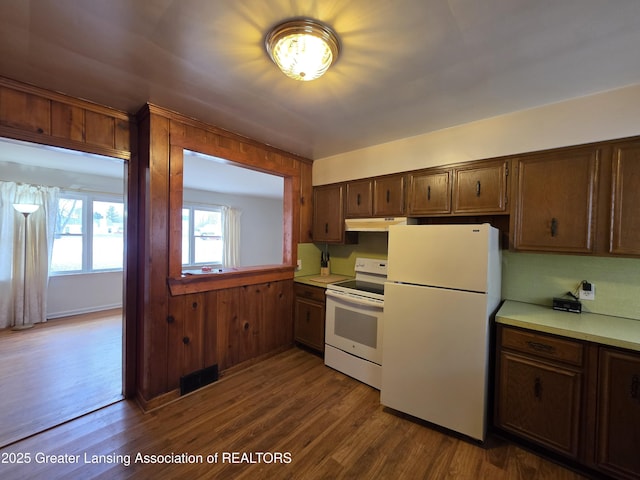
231	236
41	226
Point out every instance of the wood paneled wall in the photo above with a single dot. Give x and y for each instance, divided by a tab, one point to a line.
36	115
236	317
235	320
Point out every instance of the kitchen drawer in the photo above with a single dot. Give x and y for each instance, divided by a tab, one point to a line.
542	345
309	292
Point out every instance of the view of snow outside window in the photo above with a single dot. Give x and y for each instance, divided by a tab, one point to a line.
201	236
83	245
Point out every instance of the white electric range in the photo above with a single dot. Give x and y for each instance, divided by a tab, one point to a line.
354	322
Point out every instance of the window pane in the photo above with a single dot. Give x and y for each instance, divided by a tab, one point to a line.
208	236
108	229
67	243
186	245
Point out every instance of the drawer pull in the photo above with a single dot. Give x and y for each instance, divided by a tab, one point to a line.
537	388
358	200
478	188
429	192
635	387
388	196
541	347
554	227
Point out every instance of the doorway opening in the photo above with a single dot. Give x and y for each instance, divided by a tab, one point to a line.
71	362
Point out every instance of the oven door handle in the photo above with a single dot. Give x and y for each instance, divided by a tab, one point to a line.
354	299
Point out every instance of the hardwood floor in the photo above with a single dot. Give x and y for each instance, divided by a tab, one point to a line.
57	371
289	416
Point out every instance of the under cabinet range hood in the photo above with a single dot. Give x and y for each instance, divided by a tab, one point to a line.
375	224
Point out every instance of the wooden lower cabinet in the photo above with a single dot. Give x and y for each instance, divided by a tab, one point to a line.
618	419
541	401
309	316
550	393
539	393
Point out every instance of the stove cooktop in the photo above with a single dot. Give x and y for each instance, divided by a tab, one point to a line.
361	286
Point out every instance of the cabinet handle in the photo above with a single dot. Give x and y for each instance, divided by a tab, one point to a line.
171	319
541	347
358	200
537	388
194	305
388	196
429	192
635	387
554	227
478	188
326	228
186	340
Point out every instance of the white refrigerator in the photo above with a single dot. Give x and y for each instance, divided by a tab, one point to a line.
443	286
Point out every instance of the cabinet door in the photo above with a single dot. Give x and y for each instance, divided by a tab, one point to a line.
328	214
309	323
556	201
359	202
388	196
625	221
540	401
618	438
430	193
481	189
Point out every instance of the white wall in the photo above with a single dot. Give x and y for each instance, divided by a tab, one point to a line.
603	116
83	293
261	224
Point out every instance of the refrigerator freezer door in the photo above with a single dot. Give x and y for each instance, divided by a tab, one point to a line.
452	256
435	356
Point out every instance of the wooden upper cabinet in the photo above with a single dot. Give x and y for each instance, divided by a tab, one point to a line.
556	201
359	200
388	196
625	211
328	213
430	192
481	188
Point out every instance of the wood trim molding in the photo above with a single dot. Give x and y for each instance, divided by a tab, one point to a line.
228	278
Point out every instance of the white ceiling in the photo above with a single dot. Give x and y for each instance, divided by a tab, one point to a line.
407	66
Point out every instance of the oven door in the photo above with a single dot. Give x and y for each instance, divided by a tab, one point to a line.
354	325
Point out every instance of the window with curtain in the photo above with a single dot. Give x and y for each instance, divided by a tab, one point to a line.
89	234
202	236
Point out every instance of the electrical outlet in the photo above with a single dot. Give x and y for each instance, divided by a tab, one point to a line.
587	291
299	265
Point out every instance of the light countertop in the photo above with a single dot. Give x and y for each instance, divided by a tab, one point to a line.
312	279
603	329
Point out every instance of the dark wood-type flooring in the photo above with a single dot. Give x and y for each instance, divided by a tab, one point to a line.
289	415
57	371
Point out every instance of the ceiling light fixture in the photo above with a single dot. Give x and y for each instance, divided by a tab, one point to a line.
303	48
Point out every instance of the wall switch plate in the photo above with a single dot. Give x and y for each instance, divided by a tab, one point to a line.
587	291
299	265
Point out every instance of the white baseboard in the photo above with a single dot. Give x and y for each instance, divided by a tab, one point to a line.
81	311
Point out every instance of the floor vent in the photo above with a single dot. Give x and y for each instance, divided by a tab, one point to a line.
195	380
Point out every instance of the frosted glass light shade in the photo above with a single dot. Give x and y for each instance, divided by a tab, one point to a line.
26	207
302	48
